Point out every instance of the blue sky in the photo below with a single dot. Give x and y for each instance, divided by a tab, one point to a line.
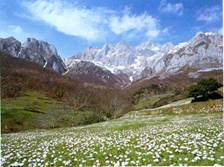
73	25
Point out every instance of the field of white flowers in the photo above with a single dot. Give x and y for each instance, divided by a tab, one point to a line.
139	140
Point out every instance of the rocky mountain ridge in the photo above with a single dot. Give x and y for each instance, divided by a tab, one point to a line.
148	59
120	63
34	50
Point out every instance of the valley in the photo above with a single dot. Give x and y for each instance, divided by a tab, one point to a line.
163	110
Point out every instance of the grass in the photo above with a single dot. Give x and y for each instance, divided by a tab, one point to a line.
149	102
22	112
31	100
220	90
192	108
162	137
35	110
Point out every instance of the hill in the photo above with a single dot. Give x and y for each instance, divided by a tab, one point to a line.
155	92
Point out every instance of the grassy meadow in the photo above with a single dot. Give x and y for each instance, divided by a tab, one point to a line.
190	134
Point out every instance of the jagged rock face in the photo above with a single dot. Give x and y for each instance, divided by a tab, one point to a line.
202	52
10	46
149	59
146	72
123	57
120	54
34	50
42	53
90	73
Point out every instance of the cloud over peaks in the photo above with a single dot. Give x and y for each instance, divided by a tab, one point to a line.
136	23
92	24
70	19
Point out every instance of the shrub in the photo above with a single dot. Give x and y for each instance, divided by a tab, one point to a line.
203	89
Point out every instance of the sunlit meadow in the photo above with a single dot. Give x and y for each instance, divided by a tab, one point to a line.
155	138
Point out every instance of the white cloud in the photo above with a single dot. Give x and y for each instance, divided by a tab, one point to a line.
15	31
166	7
92	24
136	23
70	19
209	14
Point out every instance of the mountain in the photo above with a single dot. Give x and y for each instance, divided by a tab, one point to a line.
88	72
46	55
121	57
36	51
119	64
120	54
10	46
203	52
19	75
148	60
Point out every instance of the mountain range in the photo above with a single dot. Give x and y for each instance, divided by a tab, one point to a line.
120	64
148	59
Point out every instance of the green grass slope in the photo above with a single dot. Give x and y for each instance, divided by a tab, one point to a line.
35	110
23	112
185	135
182	108
149	102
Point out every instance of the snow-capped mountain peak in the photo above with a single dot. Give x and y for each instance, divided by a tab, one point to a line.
150	59
127	62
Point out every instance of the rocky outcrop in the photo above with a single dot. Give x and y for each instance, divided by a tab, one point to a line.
204	51
34	50
10	46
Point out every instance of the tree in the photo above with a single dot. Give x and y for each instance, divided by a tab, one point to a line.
203	89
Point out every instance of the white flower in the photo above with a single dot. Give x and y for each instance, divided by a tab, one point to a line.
186	159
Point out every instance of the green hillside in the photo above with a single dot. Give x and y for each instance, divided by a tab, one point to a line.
149	102
35	110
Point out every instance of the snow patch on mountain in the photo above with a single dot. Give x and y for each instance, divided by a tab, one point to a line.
149	59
